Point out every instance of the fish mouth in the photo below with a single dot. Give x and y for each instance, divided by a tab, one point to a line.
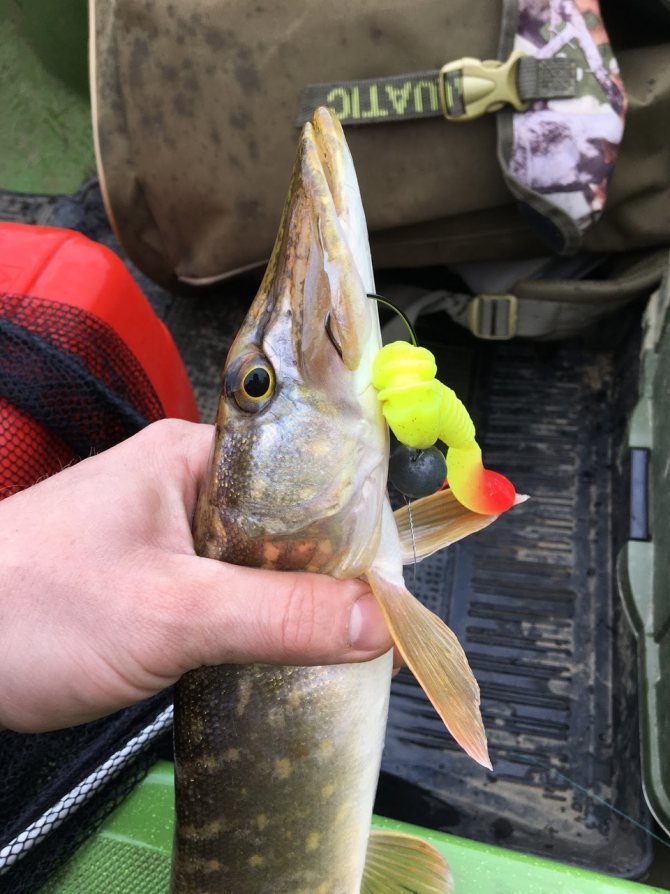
312	312
326	136
311	316
339	301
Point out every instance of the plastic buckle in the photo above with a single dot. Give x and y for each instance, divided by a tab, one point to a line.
470	88
493	317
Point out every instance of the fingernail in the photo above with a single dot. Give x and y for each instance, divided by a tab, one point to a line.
367	628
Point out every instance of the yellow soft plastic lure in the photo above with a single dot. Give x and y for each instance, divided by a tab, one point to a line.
421	410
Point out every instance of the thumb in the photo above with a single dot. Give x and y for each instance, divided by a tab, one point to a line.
243	615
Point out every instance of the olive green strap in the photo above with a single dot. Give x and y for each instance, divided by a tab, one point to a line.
428	94
540	308
555	308
376	100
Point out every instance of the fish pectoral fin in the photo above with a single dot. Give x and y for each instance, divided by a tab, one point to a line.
396	863
437	660
434	522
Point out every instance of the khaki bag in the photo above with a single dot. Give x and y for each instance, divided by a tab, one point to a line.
196	108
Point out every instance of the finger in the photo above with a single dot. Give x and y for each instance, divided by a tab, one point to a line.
179	453
188	444
242	615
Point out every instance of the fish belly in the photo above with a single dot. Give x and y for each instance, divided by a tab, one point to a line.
276	771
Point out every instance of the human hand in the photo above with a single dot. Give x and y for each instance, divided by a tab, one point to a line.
103	601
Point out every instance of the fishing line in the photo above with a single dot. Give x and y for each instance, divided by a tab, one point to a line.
590	794
411	530
396	310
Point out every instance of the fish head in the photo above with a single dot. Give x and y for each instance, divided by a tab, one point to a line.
299	471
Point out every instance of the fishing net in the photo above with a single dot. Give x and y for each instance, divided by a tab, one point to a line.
69	387
58	787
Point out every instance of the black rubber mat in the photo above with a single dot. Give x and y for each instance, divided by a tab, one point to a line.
532	598
533	601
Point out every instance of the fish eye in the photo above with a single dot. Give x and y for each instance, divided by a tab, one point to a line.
256	385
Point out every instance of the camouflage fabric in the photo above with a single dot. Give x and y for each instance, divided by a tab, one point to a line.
558	155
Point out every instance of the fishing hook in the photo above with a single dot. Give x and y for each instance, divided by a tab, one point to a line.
397	310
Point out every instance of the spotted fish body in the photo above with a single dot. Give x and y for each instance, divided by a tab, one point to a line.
276	767
285	767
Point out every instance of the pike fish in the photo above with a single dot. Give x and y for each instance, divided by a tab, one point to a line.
276	767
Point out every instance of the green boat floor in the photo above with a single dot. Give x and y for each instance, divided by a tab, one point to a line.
131	855
46	143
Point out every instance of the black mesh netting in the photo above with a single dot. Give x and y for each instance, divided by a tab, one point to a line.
69	387
58	787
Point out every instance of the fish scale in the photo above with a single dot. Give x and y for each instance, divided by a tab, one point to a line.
243	776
